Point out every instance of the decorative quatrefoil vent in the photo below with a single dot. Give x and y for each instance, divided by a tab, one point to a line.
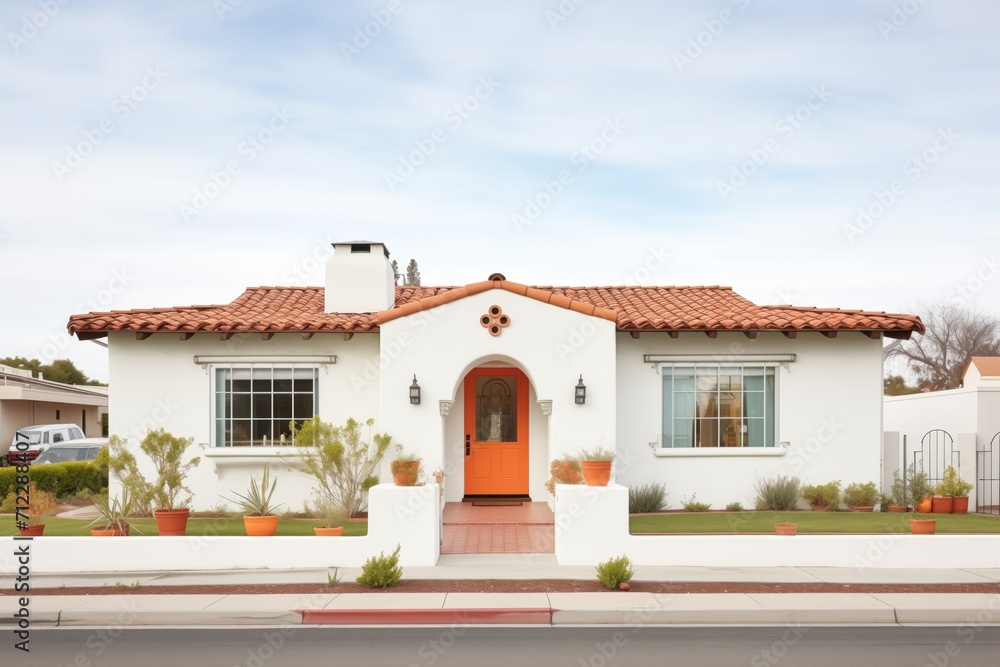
494	320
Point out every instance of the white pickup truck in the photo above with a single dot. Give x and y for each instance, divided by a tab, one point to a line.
31	441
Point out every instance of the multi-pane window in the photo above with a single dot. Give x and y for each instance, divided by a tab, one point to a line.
718	406
255	405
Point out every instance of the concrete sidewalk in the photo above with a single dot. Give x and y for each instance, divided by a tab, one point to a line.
612	607
524	566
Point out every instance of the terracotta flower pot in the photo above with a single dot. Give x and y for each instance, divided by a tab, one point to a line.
99	532
941	505
319	530
596	473
961	505
33	530
172	522
925	505
786	529
897	508
261	526
404	473
922	526
862	508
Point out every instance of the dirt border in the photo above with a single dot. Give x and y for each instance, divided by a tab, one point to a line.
517	586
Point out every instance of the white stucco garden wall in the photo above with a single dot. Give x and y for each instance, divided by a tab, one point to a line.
829	407
552	345
407	516
157	384
592	526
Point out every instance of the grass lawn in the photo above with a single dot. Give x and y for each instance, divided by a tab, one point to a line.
808	522
220	526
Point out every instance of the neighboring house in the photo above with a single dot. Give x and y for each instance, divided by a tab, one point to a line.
26	401
959	427
695	387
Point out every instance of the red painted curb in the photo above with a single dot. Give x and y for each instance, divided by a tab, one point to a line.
515	616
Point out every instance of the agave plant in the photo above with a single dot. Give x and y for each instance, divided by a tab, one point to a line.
257	500
113	514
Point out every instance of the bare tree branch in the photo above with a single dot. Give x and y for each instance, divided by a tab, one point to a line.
954	335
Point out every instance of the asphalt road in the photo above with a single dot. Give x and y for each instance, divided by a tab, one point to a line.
510	646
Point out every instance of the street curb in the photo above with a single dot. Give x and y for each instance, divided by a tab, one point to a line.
509	616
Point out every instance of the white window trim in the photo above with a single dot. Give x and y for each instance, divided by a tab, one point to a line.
269	362
772	361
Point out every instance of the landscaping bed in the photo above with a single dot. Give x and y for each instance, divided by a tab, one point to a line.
808	522
56	526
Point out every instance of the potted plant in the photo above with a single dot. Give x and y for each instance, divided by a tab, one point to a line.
885	503
112	516
405	467
822	497
919	489
595	465
260	517
163	493
861	497
785	528
40	505
899	498
956	489
922	526
333	516
565	470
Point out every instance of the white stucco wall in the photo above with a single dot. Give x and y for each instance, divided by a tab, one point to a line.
552	345
829	406
155	383
592	526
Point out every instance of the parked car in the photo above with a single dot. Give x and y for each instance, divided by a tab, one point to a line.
38	439
72	450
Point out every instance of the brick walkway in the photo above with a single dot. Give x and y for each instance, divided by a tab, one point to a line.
529	528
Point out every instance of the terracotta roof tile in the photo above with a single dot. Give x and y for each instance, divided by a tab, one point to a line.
300	309
987	366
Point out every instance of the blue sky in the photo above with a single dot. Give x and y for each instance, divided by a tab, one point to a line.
175	153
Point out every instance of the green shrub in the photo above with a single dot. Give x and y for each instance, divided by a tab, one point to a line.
951	485
614	571
343	460
917	485
900	496
381	571
647	498
823	496
61	479
778	494
861	494
734	507
692	505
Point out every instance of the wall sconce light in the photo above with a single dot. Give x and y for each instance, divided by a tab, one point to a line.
581	392
414	392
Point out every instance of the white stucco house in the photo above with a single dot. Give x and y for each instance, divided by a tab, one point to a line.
695	387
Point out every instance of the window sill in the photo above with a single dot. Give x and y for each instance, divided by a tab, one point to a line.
681	452
223	456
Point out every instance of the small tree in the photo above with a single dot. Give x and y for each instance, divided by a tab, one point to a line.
395	273
342	462
412	273
166	451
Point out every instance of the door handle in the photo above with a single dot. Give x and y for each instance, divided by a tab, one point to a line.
468	445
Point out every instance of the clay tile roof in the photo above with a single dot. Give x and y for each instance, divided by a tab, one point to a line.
300	309
987	366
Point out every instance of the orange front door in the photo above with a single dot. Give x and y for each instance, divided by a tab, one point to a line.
496	432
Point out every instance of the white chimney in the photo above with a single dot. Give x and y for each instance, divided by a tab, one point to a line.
359	278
